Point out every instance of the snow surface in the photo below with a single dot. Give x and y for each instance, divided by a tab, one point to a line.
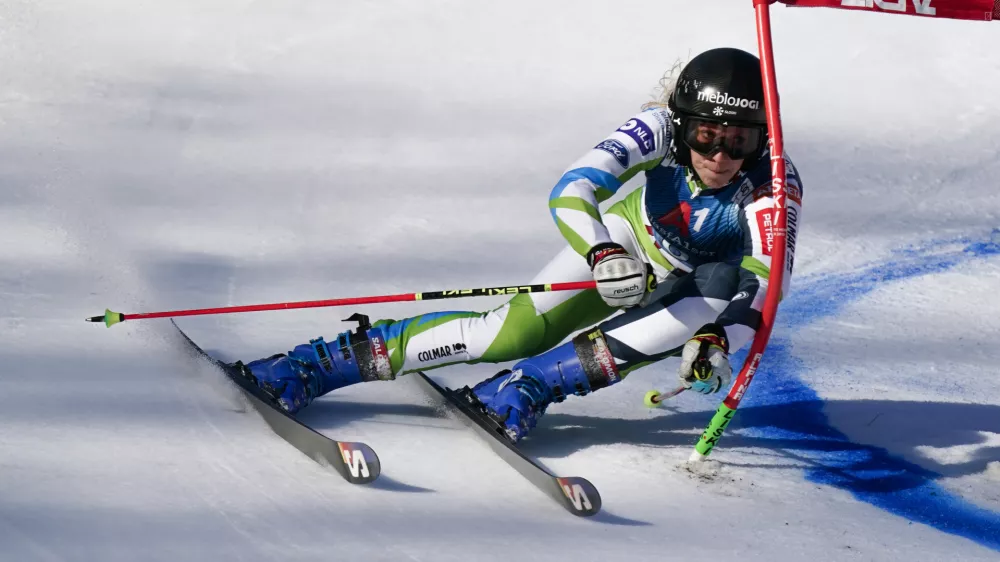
160	155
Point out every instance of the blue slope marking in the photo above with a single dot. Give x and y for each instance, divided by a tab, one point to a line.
871	474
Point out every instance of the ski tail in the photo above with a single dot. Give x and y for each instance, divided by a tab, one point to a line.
355	462
577	495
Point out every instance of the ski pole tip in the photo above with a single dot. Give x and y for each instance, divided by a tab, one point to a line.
651	400
696	456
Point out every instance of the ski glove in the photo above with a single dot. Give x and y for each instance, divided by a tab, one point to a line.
705	360
622	279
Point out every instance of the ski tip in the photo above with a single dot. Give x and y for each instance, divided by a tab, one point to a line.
109	318
581	497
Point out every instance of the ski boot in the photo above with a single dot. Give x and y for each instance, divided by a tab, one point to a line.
517	398
313	369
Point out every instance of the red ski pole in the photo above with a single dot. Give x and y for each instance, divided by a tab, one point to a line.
110	318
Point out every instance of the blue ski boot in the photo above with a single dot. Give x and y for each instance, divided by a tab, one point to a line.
313	369
517	398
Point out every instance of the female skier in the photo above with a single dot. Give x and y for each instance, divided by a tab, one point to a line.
686	257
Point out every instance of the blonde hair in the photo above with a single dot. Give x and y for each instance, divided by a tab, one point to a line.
665	86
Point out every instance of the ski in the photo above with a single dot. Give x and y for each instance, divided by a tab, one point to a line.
576	494
356	462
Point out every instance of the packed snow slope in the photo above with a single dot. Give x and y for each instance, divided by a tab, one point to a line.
161	155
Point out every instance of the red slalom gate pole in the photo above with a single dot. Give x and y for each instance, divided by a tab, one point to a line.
110	318
727	409
982	10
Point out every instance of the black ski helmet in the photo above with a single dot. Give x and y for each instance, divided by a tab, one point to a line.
721	85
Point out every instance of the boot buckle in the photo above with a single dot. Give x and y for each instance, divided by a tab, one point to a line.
322	354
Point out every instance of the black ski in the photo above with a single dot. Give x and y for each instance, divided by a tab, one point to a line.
576	494
356	462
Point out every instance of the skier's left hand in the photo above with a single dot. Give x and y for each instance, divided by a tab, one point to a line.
705	360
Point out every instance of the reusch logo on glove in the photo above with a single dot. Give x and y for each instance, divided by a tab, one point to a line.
627	290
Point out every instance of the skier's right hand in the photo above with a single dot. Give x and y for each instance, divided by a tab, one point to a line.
705	360
622	279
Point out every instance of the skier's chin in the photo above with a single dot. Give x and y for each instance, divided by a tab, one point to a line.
716	171
715	179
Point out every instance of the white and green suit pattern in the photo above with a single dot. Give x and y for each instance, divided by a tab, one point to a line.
533	323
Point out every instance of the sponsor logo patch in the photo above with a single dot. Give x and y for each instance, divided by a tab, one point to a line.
436	353
765	226
616	149
660	115
746	188
640	133
355	461
677	253
576	495
723	98
922	7
762	192
794	192
630	290
678	218
383	366
791	231
604	358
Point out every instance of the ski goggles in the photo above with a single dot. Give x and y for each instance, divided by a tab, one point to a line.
736	141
